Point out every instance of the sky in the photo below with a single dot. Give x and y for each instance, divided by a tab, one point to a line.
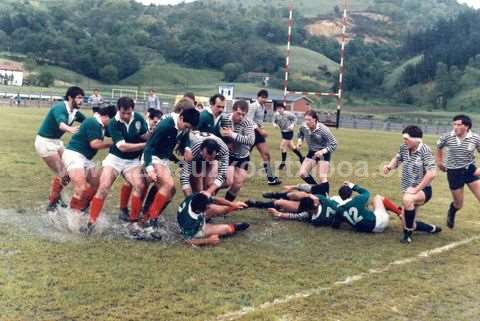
472	3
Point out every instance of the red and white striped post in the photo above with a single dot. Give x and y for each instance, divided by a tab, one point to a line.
287	59
339	93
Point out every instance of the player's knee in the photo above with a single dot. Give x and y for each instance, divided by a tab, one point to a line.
458	204
102	191
408	200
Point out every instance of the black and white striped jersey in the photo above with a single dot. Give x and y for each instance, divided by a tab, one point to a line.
243	138
256	113
415	165
320	138
460	153
196	139
285	121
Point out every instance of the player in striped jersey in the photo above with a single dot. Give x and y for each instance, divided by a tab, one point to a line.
207	171
257	113
418	172
459	164
285	121
321	144
241	138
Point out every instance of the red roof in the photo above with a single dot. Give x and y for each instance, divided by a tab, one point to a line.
10	67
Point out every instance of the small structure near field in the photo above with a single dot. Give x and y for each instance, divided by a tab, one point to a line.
11	75
295	103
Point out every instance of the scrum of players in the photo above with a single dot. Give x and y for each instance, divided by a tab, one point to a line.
212	150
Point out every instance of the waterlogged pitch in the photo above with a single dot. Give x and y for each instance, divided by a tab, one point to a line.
274	271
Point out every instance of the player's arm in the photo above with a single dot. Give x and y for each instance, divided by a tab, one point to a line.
430	169
302	216
293	119
80	117
233	205
393	164
185	173
248	138
62	122
441	143
301	137
222	171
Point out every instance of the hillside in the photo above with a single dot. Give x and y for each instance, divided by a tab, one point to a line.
303	60
393	77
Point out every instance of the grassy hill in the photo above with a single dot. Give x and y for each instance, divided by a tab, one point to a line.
65	77
304	60
393	77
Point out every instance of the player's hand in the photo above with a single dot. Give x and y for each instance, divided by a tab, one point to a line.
74	129
386	169
442	167
274	212
291	127
187	155
289	188
477	172
262	132
349	184
411	190
207	193
152	174
319	154
239	205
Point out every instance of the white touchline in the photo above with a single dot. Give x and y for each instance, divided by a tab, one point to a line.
349	280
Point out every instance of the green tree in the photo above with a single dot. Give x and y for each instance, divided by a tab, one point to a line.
109	74
231	71
45	79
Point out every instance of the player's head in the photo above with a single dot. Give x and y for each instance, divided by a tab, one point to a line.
151	91
461	124
209	149
106	113
191	96
240	110
75	96
412	136
262	96
188	118
96	91
307	204
200	203
182	104
311	119
217	103
125	106
345	192
153	116
278	106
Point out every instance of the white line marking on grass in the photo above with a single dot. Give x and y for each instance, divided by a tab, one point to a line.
349	280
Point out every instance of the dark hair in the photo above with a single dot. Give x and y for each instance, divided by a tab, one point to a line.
213	99
190	116
74	92
312	114
278	104
125	103
153	113
200	202
413	131
190	95
210	145
262	93
109	111
467	121
306	204
345	192
95	109
241	104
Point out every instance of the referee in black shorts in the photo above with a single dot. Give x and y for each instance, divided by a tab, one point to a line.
459	163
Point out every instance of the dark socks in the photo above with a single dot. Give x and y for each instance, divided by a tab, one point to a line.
229	196
268	170
322	189
310	180
409	219
424	227
299	155
284	157
266	204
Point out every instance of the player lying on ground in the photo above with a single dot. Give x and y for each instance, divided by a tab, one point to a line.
418	172
285	121
129	133
459	164
48	143
196	209
79	153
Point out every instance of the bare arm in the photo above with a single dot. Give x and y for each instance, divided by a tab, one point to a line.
69	129
130	147
100	144
439	160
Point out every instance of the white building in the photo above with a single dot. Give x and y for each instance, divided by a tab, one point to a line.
11	75
227	91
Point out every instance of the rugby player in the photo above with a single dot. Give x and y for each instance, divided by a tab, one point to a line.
459	164
48	143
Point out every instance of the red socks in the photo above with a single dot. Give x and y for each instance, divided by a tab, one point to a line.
88	195
136	208
389	205
55	190
76	204
95	208
157	206
125	192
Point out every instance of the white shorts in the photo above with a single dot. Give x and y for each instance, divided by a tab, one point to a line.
381	220
47	146
158	161
121	165
75	160
201	233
